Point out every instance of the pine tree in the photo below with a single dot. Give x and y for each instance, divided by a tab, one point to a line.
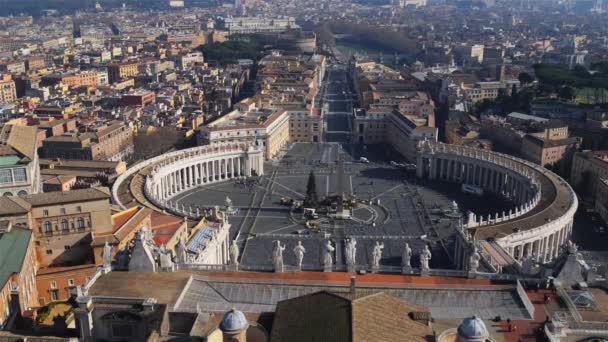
312	199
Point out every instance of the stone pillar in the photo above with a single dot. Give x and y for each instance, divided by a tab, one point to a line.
520	252
232	174
84	317
238	167
212	170
248	166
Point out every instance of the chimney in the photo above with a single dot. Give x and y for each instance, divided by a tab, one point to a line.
353	282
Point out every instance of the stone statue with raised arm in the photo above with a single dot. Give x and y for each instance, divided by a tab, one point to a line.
234	253
299	251
425	257
406	258
277	257
328	260
351	253
107	256
377	255
474	260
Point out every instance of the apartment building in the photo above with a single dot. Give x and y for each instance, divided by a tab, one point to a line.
73	79
113	142
8	91
119	71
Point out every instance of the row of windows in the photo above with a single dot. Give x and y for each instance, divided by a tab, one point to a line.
13	175
62	211
65	225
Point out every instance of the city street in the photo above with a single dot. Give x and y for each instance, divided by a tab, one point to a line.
337	105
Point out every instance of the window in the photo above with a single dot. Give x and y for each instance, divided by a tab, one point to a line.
64	225
49	251
54	295
48	228
62	211
53	285
78	209
70	282
20	175
67	248
45	213
6	176
22	193
8	194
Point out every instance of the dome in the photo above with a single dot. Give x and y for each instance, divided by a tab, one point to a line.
234	321
473	329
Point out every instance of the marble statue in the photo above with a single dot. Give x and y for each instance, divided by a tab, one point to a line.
165	259
327	256
474	260
277	257
299	251
107	256
406	256
377	254
425	257
180	252
234	253
351	252
571	247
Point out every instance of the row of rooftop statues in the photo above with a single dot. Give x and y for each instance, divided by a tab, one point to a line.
327	259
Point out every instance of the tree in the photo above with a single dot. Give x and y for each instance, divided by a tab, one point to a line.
525	78
567	93
312	199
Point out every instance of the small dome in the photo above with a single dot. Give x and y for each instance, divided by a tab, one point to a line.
473	329
234	321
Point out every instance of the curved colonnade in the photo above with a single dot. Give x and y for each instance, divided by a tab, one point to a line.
173	173
544	204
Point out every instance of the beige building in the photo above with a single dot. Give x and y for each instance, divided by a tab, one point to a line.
8	91
63	223
267	128
113	142
550	146
305	125
588	167
487	90
387	125
119	71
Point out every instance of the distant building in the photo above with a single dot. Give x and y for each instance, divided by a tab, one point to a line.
550	146
244	25
138	98
113	142
119	71
8	91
